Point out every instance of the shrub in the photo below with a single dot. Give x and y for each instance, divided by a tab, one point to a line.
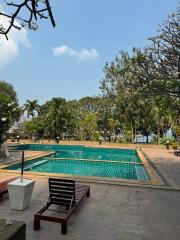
165	139
154	139
175	145
122	140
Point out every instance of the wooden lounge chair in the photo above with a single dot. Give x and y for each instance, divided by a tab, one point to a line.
3	185
62	193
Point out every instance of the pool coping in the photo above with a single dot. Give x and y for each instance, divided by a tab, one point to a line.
82	145
154	180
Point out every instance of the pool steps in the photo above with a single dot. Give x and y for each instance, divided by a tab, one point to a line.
34	164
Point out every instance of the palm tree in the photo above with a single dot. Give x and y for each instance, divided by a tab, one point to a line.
56	116
31	107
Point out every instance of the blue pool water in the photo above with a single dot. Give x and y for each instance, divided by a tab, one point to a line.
82	152
86	161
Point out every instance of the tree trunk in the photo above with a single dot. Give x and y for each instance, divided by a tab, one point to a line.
147	138
158	134
132	133
135	135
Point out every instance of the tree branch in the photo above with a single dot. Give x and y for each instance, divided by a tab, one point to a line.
34	12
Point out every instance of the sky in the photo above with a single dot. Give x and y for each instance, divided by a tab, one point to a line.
68	61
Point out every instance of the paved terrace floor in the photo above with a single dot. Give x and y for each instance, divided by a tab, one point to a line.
111	212
114	212
166	163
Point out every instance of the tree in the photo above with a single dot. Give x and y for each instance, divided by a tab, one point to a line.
33	128
8	90
157	66
154	70
102	108
117	87
9	110
90	104
144	86
89	126
55	114
25	13
113	124
75	116
31	107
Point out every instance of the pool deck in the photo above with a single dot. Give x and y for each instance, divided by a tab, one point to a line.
166	163
113	211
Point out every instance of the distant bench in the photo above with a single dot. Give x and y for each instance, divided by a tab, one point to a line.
177	152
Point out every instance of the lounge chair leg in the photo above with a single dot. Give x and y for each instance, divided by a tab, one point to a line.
64	228
36	223
88	193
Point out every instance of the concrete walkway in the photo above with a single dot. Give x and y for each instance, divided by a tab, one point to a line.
111	212
166	163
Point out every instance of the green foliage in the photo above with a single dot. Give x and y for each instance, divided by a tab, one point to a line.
166	140
154	140
122	140
163	140
33	128
175	145
144	86
89	127
176	126
8	90
55	115
31	107
9	110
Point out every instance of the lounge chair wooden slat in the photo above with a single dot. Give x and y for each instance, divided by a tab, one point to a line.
3	185
66	188
56	185
64	193
63	200
61	183
58	180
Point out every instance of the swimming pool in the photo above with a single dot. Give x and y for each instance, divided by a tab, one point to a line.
86	161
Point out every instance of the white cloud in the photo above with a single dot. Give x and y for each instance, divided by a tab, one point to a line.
10	49
82	54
